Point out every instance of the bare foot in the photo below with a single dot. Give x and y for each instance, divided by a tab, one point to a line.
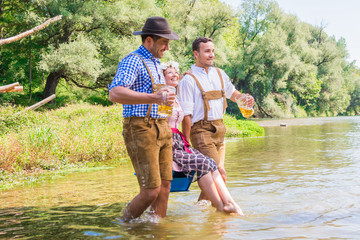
233	208
230	208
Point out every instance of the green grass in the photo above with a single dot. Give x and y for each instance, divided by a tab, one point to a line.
242	128
34	143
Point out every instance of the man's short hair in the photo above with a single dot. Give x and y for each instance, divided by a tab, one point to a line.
154	37
197	41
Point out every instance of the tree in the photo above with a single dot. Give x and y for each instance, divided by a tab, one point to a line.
290	67
85	48
192	19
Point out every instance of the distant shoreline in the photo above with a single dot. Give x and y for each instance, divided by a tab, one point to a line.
300	121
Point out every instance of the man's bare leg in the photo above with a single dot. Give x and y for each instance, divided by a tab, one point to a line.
140	203
160	204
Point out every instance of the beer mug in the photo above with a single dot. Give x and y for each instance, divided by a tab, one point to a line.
164	109
241	100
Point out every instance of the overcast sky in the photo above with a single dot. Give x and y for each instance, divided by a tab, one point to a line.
341	18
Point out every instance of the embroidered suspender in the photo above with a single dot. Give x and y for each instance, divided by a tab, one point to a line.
211	95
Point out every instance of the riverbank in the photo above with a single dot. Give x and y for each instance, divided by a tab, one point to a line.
36	146
299	121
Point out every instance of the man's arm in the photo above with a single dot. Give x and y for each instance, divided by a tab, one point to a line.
127	96
186	126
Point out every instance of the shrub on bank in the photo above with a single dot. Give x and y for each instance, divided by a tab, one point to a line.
241	128
79	133
51	139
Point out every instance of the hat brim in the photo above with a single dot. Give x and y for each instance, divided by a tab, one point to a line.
171	36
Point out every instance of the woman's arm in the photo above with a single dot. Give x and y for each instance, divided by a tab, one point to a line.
186	127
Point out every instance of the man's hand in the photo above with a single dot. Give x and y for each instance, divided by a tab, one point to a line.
165	96
223	173
249	100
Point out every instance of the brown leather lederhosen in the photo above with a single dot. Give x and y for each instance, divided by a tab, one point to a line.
208	136
149	145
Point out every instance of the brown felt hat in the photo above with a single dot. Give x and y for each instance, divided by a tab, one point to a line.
158	26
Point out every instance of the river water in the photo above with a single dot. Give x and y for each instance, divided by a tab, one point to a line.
298	182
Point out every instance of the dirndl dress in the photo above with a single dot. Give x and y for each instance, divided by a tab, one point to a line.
185	157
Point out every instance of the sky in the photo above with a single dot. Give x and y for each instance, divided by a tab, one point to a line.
340	18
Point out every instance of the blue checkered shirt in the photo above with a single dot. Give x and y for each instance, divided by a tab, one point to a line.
133	74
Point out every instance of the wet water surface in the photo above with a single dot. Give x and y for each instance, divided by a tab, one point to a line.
297	182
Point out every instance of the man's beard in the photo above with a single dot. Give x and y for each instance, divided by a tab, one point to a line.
210	65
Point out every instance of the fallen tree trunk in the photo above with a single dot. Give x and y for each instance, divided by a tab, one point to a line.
39	104
17	89
29	32
14	87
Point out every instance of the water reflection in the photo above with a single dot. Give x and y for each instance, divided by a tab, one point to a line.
298	182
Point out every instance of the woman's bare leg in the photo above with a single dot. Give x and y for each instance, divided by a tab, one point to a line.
208	187
229	203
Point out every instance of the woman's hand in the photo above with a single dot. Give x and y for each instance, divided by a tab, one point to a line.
186	72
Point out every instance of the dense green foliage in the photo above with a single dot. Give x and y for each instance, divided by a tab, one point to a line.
47	140
292	68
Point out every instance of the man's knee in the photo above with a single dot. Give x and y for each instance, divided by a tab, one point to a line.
149	194
165	186
165	183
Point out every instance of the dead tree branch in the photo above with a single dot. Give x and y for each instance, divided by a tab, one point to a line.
29	32
14	87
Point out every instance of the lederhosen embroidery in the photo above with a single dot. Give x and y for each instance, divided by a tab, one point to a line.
211	95
154	89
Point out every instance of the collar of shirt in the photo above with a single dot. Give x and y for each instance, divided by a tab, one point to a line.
199	69
208	77
147	55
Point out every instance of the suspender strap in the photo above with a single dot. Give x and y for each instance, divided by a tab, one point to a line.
146	119
211	95
222	89
203	95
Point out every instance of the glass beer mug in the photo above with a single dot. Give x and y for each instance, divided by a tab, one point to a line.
164	109
241	100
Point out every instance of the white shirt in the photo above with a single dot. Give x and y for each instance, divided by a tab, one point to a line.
190	96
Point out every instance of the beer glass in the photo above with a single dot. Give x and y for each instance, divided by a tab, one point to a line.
241	100
164	109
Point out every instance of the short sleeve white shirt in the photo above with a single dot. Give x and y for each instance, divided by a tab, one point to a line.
190	96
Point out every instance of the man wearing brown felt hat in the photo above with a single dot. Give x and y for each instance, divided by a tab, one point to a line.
147	135
158	26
